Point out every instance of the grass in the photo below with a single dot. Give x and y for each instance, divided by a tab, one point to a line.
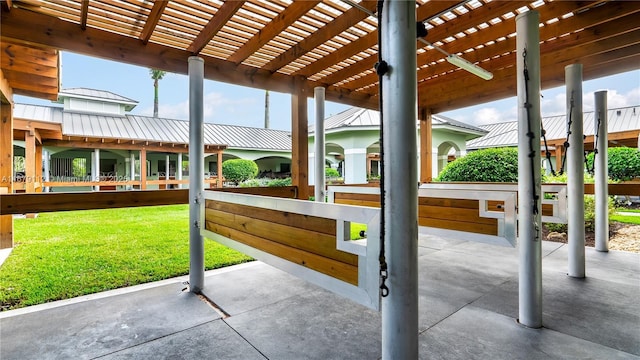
630	210
627	219
355	230
68	254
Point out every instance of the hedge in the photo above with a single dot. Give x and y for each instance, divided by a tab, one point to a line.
238	170
486	165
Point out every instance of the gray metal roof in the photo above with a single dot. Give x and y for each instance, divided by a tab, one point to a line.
38	113
356	117
506	133
99	95
145	128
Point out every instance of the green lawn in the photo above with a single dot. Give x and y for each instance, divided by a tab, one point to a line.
630	210
627	219
68	254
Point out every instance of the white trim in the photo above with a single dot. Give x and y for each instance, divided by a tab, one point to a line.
355	151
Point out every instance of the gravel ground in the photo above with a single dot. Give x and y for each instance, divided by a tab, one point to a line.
625	237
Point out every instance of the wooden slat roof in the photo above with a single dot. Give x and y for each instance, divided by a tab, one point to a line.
269	43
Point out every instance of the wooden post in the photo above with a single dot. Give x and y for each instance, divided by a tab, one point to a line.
300	139
29	161
38	169
143	169
558	154
426	146
220	177
6	170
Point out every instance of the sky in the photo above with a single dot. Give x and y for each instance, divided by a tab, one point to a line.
237	105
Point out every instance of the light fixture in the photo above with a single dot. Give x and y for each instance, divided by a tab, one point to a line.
469	66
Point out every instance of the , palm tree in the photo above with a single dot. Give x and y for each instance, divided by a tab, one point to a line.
156	75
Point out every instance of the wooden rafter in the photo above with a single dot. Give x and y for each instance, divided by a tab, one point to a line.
338	25
152	20
292	13
84	15
6	92
214	25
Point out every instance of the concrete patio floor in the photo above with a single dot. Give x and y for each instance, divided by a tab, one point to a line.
468	309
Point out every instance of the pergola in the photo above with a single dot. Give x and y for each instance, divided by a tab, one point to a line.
294	47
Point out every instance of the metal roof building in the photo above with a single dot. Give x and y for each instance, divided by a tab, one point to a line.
146	128
620	121
353	118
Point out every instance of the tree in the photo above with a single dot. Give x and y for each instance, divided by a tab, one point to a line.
156	75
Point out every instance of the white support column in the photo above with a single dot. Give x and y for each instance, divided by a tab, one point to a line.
132	167
529	189
179	169
575	170
312	167
96	174
399	186
355	166
319	173
166	166
196	172
601	172
46	168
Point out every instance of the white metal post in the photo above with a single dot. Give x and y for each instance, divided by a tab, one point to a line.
47	168
179	169
399	111
601	172
575	171
319	191
132	167
196	172
167	161
96	175
529	189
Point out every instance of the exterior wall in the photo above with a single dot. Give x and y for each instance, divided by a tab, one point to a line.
456	140
355	144
92	106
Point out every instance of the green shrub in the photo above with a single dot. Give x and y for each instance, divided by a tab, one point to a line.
254	183
589	215
238	170
623	163
486	165
558	179
331	173
279	182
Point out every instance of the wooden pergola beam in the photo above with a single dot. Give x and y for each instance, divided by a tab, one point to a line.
84	14
343	22
127	145
27	125
283	20
152	20
214	25
49	202
6	92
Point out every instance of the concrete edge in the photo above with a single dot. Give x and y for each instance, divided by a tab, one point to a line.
4	254
121	291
